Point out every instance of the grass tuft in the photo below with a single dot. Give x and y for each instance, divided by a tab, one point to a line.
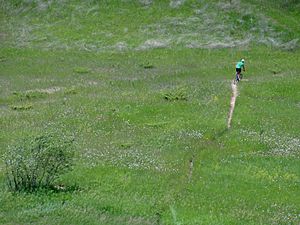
22	107
81	70
177	94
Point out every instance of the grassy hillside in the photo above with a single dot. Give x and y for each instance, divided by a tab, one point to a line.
144	87
138	25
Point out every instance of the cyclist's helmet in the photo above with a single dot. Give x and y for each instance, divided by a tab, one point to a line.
242	60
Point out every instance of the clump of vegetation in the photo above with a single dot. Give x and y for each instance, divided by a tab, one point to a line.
126	145
81	70
21	107
2	59
147	65
37	162
176	94
70	91
157	124
27	95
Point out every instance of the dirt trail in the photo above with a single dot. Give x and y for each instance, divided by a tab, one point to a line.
232	102
191	161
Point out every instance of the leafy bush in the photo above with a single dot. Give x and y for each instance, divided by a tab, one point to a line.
37	162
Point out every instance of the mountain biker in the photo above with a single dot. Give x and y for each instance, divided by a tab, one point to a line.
239	66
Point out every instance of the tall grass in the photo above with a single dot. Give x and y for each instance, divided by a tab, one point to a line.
37	163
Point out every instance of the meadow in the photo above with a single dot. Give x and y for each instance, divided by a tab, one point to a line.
144	89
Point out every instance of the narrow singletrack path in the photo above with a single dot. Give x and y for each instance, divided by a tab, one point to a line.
191	161
232	102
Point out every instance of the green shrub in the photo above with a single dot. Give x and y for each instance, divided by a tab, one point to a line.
37	162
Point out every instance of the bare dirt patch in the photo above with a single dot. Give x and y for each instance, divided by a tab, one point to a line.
50	90
232	103
191	167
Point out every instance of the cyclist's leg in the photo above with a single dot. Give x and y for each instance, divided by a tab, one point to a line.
237	76
235	81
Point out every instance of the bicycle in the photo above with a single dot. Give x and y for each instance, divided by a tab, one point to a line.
238	77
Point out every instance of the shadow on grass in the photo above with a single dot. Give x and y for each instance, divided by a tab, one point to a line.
221	132
58	188
216	134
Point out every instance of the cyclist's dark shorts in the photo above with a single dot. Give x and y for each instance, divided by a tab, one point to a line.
238	70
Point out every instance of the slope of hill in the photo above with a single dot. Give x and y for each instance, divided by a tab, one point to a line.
103	26
144	87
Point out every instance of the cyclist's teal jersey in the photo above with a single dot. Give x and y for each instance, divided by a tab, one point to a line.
239	65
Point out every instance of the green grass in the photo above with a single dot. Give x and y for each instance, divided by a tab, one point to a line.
133	146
